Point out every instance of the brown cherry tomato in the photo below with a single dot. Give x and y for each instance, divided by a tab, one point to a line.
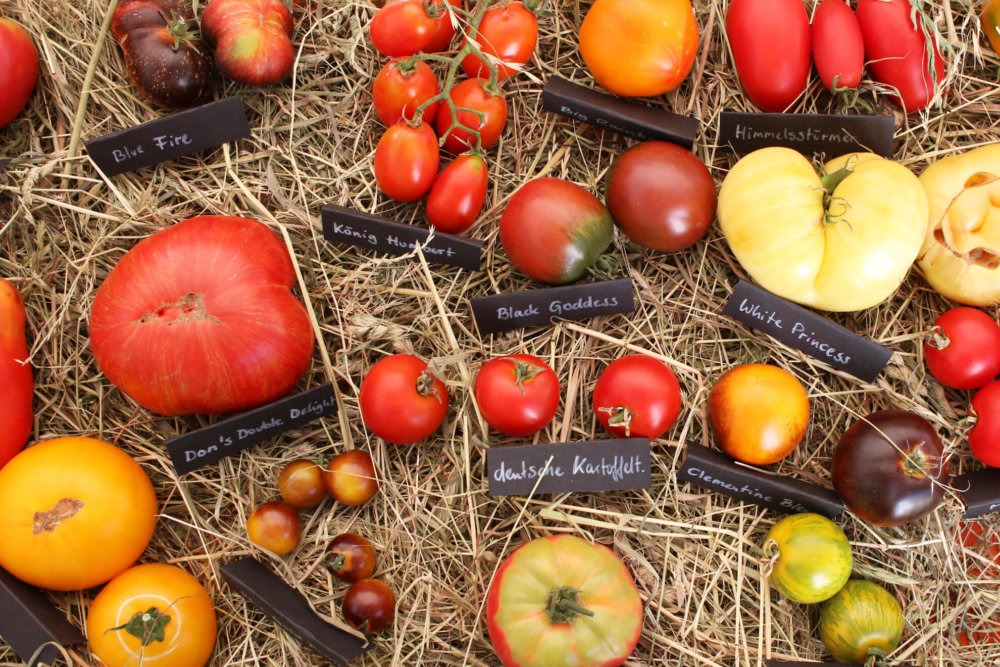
350	477
302	484
275	526
350	557
369	605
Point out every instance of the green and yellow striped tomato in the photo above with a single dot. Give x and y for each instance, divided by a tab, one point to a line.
860	621
812	557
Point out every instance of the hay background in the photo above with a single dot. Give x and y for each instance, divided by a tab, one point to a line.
63	227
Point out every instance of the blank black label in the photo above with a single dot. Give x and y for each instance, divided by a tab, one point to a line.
28	621
782	663
170	137
831	135
980	492
539	307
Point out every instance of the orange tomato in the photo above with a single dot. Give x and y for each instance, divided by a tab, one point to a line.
16	383
76	512
275	526
639	48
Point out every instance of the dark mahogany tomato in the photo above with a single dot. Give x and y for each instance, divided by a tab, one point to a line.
862	620
637	396
401	29
889	468
902	51
837	48
406	161
400	87
275	526
984	437
963	348
479	114
661	195
518	394
350	557
990	21
507	33
811	557
302	484
164	56
771	50
17	388
252	39
20	69
350	477
401	399
369	605
458	194
553	230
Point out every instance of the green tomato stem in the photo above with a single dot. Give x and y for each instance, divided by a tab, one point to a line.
146	626
563	606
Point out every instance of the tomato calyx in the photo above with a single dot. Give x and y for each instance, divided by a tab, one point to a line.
917	463
425	384
335	561
938	339
621	416
524	371
563	606
147	626
179	29
830	183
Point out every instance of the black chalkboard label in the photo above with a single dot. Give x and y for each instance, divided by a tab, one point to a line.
170	137
290	609
782	663
599	465
630	119
831	135
29	621
980	492
807	332
532	308
365	230
3	163
713	470
231	436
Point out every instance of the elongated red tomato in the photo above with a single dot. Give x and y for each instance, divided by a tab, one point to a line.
771	50
443	30
479	110
20	69
458	194
400	87
508	33
401	29
837	48
16	384
406	161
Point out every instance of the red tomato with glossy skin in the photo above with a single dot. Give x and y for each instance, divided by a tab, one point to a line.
406	161
401	400
252	39
637	396
400	87
901	55
275	526
771	50
963	348
350	557
350	477
837	47
984	438
458	194
401	29
508	33
16	378
517	394
369	605
469	97
443	31
19	72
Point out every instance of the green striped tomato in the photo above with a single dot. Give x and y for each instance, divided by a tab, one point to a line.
861	620
813	557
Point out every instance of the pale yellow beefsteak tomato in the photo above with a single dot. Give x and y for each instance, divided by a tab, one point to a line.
839	242
961	253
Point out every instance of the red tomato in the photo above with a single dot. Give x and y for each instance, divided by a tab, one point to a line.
406	161
983	541
901	54
771	50
984	437
401	29
443	30
401	400
275	526
350	477
461	132
963	349
637	396
518	394
458	194
252	38
16	381
400	87
369	605
20	69
837	48
509	34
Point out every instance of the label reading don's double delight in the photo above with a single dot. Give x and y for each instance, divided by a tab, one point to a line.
831	135
980	491
532	308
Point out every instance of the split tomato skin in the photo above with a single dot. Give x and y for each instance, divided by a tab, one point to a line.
963	349
400	87
401	399
406	161
861	619
507	32
20	69
637	396
518	394
984	437
16	376
814	557
475	98
458	193
252	39
837	47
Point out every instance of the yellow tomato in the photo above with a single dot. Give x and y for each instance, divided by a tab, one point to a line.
961	252
842	249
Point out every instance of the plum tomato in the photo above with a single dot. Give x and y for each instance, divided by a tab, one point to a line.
350	557
401	29
369	605
275	526
837	47
401	399
860	621
962	350
480	114
350	477
518	394
443	29
811	557
984	437
406	161
637	396
458	194
507	33
302	484
20	69
400	87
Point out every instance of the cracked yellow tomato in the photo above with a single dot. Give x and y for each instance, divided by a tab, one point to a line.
841	240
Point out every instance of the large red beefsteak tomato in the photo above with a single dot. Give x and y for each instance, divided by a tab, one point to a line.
200	318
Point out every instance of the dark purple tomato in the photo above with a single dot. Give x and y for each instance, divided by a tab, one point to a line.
369	605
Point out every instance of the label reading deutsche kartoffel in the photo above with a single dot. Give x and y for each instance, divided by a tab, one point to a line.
980	491
829	134
539	307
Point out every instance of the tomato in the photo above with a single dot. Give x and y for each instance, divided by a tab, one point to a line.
759	413
443	30
401	399
400	87
76	512
200	318
16	381
984	437
637	396
164	56
989	19
154	614
302	484
861	620
889	468
517	394
20	69
350	477
837	48
553	230
811	558
458	194
369	605
661	195
480	114
561	601
350	557
275	526
639	48
406	161
963	349
842	242
771	50
507	33
252	39
902	51
977	627
983	541
401	29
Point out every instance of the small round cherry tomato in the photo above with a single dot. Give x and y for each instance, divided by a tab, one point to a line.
275	526
400	87
350	477
401	29
470	98
369	605
637	396
401	400
301	484
509	34
406	161
350	557
518	394
458	194
984	438
963	349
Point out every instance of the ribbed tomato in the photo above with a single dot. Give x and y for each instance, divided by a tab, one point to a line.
812	558
252	39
